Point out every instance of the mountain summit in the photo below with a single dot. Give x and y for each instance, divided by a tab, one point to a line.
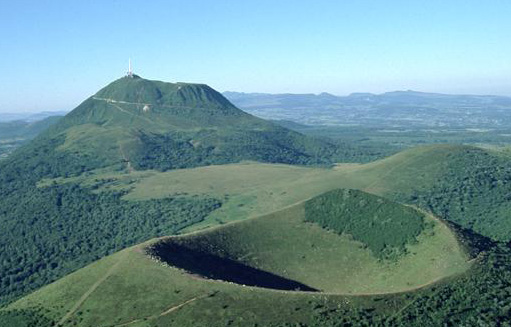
139	103
158	125
137	90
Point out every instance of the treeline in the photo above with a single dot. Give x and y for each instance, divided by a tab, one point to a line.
210	146
385	227
481	298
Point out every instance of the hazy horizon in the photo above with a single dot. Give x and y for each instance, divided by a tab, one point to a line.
55	54
59	110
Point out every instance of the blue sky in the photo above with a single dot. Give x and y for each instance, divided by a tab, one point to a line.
54	54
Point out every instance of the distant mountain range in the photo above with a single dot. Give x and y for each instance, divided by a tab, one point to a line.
399	108
17	132
21	129
29	116
431	109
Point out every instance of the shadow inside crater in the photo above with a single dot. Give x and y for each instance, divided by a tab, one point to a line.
213	266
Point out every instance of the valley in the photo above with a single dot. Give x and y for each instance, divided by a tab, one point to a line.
389	122
14	133
397	109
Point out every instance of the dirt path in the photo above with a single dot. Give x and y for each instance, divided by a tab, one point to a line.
118	101
114	104
112	101
85	295
126	159
164	313
126	102
174	308
129	113
398	312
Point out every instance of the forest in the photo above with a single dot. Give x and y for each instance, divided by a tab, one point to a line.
211	147
475	192
51	231
345	212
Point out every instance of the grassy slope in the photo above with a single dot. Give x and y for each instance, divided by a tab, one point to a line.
247	189
415	167
283	244
128	285
467	185
158	288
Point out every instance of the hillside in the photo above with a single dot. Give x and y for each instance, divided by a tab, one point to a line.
467	185
158	125
132	124
275	251
463	184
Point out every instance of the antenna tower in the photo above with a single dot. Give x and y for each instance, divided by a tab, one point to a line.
130	70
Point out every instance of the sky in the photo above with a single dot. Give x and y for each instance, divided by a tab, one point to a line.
55	54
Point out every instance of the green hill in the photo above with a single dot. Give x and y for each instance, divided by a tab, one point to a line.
158	125
464	184
238	266
132	124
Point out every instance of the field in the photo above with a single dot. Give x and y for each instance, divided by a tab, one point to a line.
251	189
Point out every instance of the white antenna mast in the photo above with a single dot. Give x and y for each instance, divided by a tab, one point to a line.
130	69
